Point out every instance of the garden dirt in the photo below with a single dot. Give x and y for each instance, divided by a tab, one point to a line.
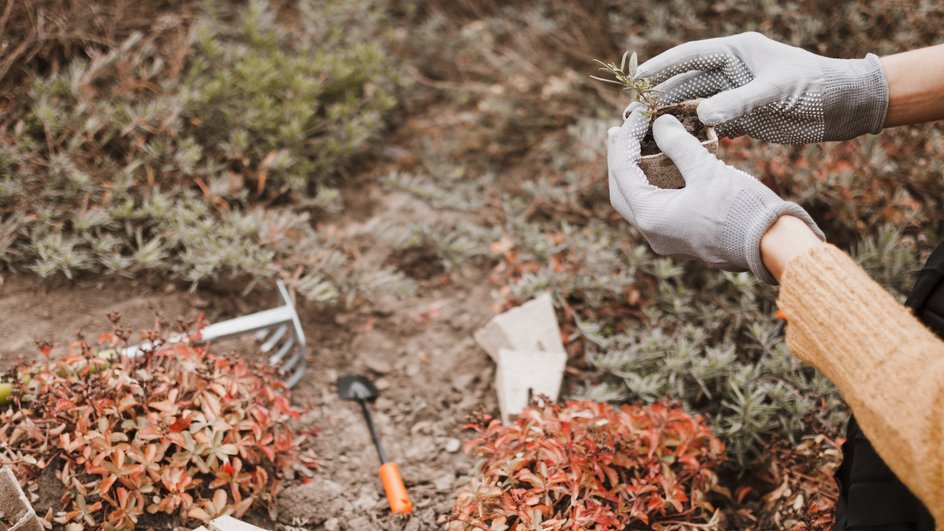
689	120
419	352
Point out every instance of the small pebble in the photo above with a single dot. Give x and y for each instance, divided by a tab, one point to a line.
378	365
461	381
332	524
453	445
444	483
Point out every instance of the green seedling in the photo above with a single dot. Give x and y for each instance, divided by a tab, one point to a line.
625	76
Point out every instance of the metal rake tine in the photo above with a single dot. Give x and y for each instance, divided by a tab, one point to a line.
277	331
297	375
276	327
261	334
298	356
277	357
274	338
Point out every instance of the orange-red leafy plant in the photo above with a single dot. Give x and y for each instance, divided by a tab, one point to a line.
589	466
179	431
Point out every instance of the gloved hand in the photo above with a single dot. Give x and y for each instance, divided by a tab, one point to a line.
772	91
718	217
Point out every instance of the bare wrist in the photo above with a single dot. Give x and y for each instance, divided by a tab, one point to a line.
914	86
785	239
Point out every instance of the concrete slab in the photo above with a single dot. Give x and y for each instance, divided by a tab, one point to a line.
14	507
522	374
531	326
228	523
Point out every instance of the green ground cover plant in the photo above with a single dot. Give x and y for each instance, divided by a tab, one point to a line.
193	151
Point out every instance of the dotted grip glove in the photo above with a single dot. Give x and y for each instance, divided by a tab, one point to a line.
718	217
771	91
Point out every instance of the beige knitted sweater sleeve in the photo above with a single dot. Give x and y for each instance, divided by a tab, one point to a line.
887	365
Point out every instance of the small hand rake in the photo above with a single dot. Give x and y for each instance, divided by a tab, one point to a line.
278	332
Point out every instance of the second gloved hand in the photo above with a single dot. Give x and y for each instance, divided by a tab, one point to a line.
718	217
772	91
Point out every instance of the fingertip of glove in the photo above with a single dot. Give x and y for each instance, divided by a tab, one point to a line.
667	125
678	144
643	71
636	114
666	119
635	125
612	131
630	108
708	114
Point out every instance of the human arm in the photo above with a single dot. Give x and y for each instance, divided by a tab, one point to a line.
915	86
888	367
786	238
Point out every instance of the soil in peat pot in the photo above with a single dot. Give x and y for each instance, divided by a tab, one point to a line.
689	119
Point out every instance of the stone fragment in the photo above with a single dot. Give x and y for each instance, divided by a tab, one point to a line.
453	445
228	523
444	482
14	507
377	364
531	326
523	374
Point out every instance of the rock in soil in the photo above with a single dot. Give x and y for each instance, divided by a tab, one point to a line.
453	445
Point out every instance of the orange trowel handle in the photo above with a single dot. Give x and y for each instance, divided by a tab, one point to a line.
397	497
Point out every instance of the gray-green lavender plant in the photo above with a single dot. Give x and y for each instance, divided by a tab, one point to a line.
624	75
149	157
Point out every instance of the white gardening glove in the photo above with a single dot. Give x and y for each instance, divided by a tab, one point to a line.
771	91
718	217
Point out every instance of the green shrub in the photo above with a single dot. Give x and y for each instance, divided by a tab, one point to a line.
295	104
149	157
